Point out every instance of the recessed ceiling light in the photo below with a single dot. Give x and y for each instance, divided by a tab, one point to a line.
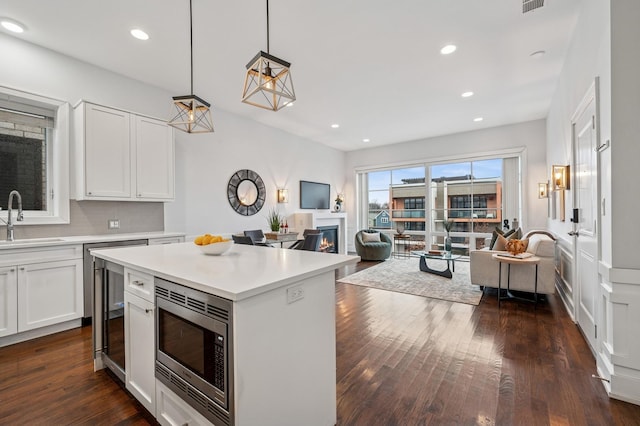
538	54
11	25
477	119
366	140
335	126
449	48
139	34
467	94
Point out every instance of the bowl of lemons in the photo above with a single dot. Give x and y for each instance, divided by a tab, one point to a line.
213	245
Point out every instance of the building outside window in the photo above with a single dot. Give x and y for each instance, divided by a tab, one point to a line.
470	193
34	156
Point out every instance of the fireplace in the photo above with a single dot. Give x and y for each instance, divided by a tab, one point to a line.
329	242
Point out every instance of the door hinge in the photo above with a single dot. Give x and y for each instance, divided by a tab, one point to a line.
593	122
596	331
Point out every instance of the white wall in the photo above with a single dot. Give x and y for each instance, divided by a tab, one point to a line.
206	162
605	45
529	137
34	69
588	57
37	70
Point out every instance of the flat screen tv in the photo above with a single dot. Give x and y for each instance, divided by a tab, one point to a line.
314	195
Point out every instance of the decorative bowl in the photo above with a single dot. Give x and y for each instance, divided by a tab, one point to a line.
516	247
216	249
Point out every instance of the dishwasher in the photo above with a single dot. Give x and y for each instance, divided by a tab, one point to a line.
106	293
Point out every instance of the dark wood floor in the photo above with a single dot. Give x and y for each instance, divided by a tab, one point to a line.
401	360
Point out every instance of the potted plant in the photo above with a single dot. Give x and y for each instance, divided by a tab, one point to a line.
274	219
447	224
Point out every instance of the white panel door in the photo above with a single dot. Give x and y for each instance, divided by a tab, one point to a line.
49	293
8	301
586	242
139	326
107	152
154	159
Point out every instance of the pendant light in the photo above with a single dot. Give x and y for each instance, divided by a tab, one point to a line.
191	113
268	82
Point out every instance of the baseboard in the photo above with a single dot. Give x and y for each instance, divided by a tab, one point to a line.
39	332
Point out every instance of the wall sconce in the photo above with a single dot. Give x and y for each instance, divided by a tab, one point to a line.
283	195
543	190
560	176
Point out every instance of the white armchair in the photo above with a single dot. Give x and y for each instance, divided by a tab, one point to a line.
484	269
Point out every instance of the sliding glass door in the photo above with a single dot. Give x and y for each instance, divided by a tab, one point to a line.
475	196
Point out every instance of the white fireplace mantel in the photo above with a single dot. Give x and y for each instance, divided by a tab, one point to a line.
312	220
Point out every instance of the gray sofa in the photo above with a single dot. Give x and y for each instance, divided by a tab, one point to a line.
484	269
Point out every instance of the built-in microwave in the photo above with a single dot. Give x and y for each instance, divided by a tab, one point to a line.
194	348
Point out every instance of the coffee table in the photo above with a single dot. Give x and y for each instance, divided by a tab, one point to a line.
450	258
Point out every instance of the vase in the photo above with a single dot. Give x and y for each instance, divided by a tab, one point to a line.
447	245
337	207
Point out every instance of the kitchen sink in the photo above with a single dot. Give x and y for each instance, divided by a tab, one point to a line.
30	241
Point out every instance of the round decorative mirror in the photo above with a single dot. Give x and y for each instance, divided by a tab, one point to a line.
246	192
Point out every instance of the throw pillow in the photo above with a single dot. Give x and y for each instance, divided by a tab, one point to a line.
494	238
501	242
517	233
370	237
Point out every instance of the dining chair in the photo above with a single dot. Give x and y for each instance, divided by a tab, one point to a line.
312	242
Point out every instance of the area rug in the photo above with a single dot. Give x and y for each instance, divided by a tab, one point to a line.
405	276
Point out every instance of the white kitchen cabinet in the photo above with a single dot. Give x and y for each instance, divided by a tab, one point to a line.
8	301
41	291
49	293
154	159
122	156
171	410
107	151
140	349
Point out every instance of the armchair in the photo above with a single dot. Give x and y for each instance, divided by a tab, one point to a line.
374	245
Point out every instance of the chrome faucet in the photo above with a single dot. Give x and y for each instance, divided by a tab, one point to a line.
20	216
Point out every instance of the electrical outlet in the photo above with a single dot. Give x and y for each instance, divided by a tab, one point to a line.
114	223
294	294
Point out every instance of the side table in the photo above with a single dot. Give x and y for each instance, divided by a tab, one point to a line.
401	240
510	260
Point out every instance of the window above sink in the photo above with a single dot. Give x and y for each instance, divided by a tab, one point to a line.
34	155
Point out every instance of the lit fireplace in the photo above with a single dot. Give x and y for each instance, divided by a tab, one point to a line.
329	242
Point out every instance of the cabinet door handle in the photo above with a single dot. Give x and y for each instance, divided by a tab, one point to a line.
12	270
22	268
148	311
138	283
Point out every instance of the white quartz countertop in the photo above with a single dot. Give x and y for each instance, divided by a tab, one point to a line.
84	239
244	271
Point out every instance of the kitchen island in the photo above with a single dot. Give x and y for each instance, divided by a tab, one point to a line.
281	339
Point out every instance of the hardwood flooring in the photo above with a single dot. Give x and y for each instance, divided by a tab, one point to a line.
401	360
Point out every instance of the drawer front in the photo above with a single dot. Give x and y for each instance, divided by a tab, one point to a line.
24	256
165	240
139	283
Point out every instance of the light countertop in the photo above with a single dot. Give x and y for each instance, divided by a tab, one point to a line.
84	239
242	272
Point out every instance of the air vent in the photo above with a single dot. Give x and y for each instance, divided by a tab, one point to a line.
218	312
529	5
162	291
163	372
177	297
196	304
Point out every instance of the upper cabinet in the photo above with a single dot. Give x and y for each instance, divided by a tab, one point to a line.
122	156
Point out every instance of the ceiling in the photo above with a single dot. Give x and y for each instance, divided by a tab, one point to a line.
372	66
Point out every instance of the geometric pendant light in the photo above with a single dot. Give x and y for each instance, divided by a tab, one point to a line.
268	82
191	113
